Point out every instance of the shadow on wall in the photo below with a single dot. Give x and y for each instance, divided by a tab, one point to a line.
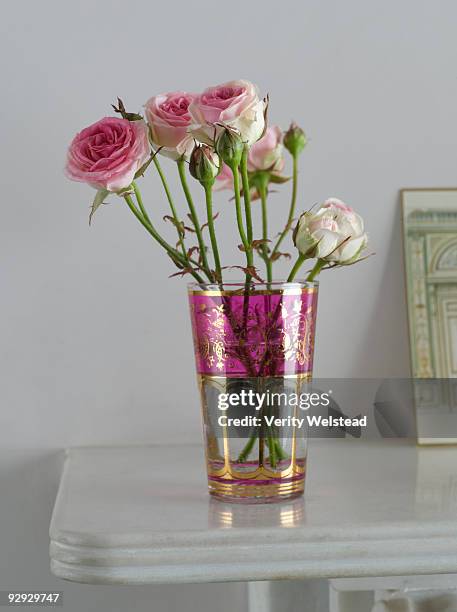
388	322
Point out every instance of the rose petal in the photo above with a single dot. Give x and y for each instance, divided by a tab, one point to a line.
327	242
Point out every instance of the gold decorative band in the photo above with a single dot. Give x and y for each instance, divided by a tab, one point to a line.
256	490
303	376
228	471
240	291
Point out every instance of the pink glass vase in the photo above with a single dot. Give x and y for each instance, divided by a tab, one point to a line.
254	355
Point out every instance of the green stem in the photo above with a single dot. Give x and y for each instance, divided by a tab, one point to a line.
262	186
155	234
209	211
249	446
279	450
297	265
292	205
139	199
183	258
195	221
320	263
171	203
271	440
246	193
239	216
247	450
271	448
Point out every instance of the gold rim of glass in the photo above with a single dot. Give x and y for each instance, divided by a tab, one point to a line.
255	288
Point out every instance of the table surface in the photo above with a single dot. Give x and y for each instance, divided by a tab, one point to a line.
139	515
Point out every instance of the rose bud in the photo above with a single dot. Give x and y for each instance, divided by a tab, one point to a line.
334	233
204	164
229	147
295	140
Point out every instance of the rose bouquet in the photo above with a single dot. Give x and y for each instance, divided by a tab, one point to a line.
254	335
221	136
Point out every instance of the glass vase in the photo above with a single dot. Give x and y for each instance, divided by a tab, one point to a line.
254	347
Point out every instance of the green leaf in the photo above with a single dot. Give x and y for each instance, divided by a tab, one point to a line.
249	270
278	254
180	227
98	201
120	108
278	179
144	167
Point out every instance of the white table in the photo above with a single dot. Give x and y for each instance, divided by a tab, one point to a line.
140	515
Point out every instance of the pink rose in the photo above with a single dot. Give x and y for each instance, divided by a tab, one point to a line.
169	119
107	154
337	203
235	104
266	153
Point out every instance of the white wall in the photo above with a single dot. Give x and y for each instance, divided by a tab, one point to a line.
95	337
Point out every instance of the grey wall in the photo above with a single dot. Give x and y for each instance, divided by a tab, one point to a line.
95	338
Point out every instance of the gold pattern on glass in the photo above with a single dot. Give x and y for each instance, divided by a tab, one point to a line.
297	344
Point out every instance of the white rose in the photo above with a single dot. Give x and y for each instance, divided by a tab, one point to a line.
334	233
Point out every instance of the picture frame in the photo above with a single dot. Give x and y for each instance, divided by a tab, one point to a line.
430	252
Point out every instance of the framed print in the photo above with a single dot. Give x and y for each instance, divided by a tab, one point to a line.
430	247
